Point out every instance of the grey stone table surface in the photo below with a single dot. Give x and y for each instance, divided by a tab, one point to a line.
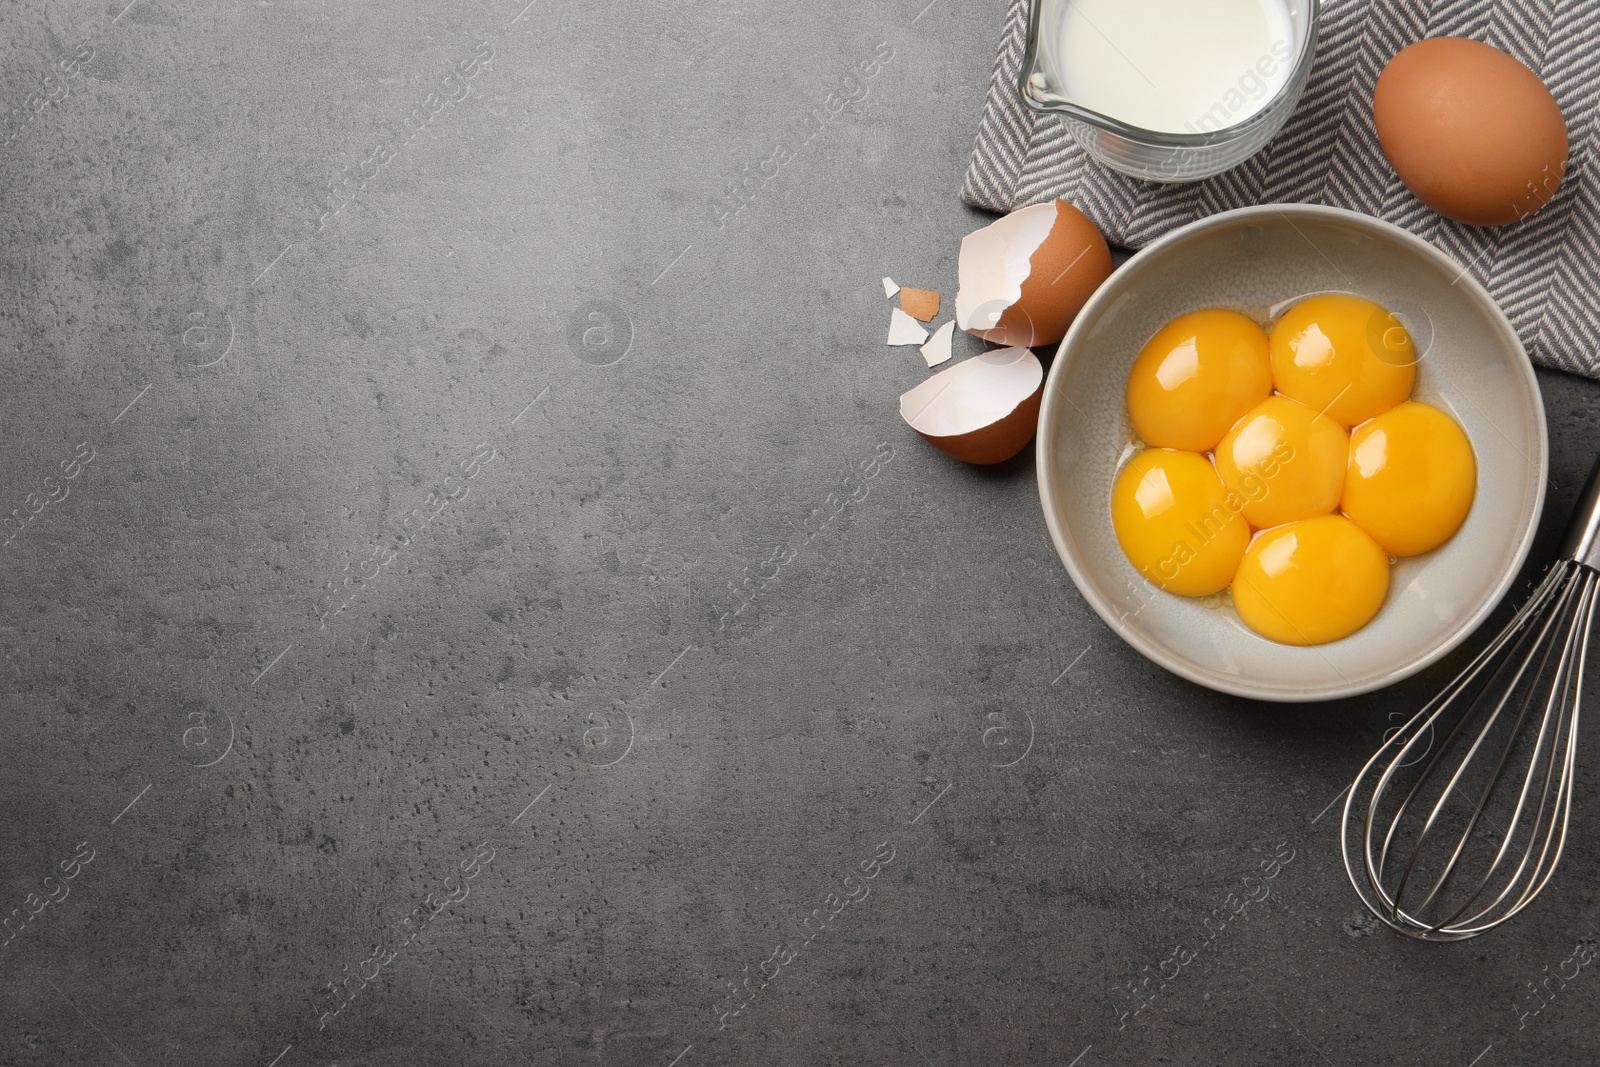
477	603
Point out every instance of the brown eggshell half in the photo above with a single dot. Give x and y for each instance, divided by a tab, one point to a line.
1064	270
1470	130
982	410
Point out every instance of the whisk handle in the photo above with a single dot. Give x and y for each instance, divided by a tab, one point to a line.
1583	540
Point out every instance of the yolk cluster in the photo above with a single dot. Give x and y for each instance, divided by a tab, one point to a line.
1290	467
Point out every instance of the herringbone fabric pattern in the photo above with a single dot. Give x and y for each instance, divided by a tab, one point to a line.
1544	271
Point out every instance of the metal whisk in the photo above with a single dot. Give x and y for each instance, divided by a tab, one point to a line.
1468	783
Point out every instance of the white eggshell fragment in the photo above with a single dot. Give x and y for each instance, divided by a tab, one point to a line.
905	330
889	288
982	410
937	350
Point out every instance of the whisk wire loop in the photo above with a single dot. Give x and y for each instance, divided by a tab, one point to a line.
1532	669
1553	723
1511	736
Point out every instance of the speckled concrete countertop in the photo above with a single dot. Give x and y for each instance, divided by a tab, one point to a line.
478	604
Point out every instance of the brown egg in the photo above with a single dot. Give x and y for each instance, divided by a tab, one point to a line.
1024	278
1472	132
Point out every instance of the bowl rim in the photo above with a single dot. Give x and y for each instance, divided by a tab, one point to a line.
1049	413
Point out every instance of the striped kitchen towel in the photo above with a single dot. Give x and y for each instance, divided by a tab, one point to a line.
1544	272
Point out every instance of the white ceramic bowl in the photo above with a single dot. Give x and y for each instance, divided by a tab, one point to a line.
1253	260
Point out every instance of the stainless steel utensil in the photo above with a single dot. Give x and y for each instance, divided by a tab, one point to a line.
1468	783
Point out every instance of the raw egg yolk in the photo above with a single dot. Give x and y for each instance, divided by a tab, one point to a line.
1311	582
1285	462
1343	355
1195	377
1176	523
1412	478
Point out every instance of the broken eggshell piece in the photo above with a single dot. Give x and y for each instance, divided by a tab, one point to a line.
905	330
937	350
920	303
1024	277
982	410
